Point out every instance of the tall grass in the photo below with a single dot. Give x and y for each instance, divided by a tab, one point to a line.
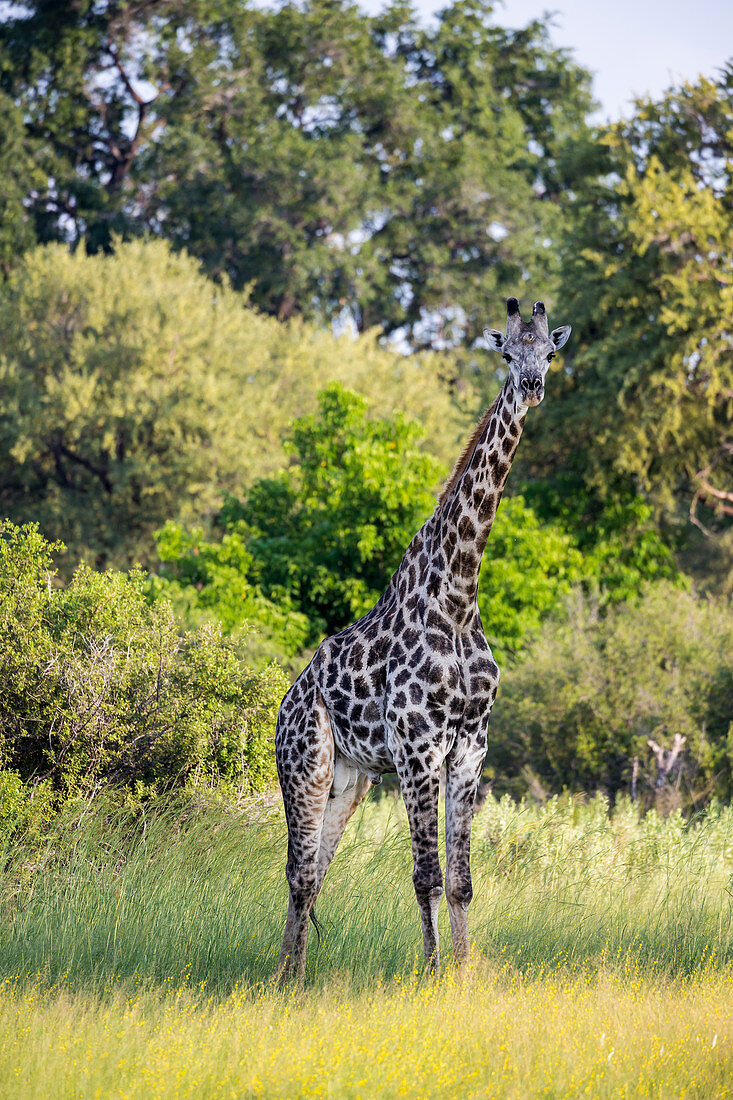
197	894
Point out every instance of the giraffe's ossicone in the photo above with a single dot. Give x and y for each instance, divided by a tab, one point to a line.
409	687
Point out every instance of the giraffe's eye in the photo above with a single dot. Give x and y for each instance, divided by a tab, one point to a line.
507	357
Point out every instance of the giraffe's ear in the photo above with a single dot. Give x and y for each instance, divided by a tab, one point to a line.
560	336
494	339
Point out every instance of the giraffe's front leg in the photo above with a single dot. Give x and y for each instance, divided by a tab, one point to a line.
463	771
419	776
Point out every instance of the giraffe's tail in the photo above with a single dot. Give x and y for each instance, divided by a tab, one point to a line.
316	924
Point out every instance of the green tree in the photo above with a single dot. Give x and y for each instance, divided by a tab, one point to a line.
341	165
618	536
134	391
211	581
534	560
527	569
472	200
19	174
118	395
332	528
644	402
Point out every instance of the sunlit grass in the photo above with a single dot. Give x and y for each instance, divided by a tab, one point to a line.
137	956
490	1034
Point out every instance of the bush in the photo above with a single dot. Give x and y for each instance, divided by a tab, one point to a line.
210	581
621	544
23	811
527	569
99	688
333	527
591	692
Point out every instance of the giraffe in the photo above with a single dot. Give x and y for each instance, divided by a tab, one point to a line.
409	686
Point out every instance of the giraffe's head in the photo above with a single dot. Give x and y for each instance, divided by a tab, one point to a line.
528	348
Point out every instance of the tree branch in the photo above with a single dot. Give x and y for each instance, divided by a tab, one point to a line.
126	80
103	476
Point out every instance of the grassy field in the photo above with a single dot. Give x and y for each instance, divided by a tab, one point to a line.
136	955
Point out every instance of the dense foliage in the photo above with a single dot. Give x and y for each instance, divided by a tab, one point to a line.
304	554
331	530
531	564
227	175
133	391
98	687
338	162
214	580
591	694
644	401
19	173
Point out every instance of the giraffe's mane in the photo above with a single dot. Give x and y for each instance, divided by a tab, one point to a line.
467	453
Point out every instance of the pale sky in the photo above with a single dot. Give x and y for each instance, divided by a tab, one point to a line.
632	47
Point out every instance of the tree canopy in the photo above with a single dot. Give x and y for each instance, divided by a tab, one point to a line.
644	400
339	164
134	390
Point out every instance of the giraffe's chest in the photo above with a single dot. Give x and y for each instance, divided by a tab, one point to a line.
428	691
447	684
414	675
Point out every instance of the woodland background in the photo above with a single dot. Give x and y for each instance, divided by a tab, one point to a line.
247	256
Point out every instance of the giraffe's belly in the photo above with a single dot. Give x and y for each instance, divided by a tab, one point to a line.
345	776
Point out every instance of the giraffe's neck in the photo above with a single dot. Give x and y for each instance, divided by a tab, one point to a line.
465	514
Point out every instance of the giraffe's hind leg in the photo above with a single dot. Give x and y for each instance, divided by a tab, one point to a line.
341	806
282	973
304	751
339	809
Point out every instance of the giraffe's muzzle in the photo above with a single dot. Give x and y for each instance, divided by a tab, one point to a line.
532	389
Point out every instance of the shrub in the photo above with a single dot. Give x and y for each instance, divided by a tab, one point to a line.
591	692
98	687
23	811
210	581
333	527
527	569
